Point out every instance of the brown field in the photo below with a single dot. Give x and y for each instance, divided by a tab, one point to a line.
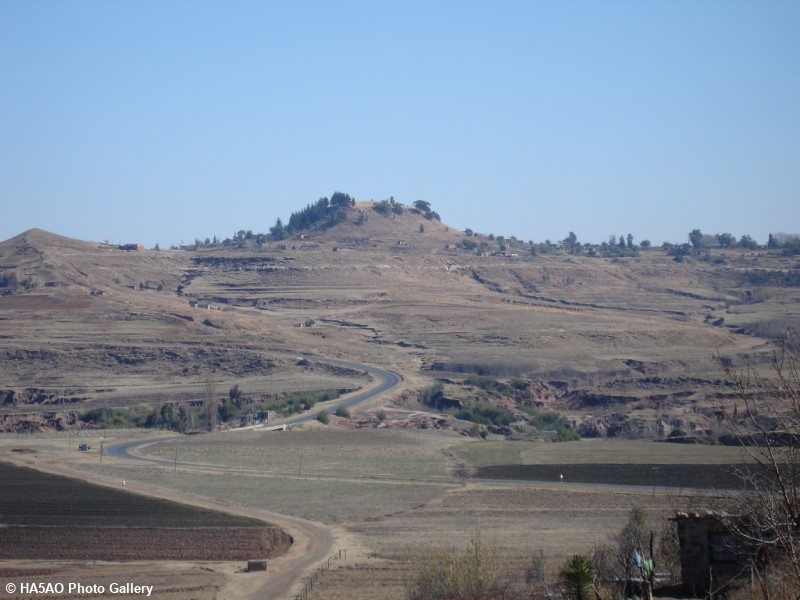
390	511
140	543
57	518
625	347
608	451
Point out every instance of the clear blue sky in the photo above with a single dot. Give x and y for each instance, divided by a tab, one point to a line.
162	121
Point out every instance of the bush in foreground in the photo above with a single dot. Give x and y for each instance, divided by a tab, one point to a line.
475	572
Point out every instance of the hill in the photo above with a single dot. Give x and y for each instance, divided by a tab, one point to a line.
618	346
386	225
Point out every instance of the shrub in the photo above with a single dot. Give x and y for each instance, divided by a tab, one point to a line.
566	435
327	395
432	397
545	420
227	411
104	417
298	402
486	414
323	417
519	384
578	577
9	281
383	207
490	385
342	412
450	573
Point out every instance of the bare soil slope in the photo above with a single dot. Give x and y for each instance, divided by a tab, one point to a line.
94	325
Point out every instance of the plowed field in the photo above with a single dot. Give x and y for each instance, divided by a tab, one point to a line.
695	476
45	516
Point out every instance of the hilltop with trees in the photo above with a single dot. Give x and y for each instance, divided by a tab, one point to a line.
341	219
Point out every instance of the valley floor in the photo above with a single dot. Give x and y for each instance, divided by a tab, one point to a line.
356	509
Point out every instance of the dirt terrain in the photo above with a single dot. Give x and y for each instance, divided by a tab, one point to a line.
312	543
96	326
58	518
359	492
619	347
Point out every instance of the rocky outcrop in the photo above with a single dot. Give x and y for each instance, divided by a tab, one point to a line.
37	422
36	396
582	399
645	426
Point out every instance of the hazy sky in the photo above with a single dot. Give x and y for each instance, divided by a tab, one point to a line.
162	121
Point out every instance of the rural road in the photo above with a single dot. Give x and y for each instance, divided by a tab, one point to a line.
312	542
385	381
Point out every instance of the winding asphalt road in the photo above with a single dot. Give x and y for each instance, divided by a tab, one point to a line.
387	380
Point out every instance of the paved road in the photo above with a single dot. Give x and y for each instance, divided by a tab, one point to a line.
386	380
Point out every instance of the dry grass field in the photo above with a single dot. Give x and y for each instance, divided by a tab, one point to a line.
317	452
606	451
393	510
628	347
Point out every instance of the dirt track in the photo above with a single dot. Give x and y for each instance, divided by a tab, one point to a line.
313	542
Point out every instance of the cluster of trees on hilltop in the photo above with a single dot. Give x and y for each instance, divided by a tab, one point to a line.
387	207
325	212
789	245
491	243
699	240
423	207
625	245
622	246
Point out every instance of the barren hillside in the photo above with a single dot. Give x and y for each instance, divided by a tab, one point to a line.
87	324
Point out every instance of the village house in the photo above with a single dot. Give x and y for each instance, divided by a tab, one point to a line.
710	553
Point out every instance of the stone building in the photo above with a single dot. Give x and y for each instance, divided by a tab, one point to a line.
710	553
